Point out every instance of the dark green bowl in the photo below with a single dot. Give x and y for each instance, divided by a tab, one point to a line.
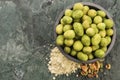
93	6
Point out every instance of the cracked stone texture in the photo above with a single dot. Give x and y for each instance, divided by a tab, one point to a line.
26	38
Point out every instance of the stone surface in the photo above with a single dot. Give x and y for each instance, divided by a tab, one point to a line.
26	38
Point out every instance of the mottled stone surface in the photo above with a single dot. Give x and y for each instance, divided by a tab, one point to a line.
26	38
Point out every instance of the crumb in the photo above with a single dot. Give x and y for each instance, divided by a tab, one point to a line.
108	66
54	78
59	64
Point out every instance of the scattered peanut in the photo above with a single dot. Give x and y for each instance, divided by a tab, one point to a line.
108	66
84	68
84	73
91	70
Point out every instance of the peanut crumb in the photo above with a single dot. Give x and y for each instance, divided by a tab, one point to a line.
54	78
108	66
60	65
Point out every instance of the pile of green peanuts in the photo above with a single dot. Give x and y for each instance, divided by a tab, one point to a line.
84	33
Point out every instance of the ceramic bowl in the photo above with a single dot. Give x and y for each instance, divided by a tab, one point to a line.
93	6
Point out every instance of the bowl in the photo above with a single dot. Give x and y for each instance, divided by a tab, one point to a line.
96	7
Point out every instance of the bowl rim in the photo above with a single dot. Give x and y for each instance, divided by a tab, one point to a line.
96	6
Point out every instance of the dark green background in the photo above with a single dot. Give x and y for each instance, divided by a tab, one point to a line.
26	38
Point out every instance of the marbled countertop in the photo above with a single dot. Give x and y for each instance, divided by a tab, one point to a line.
26	38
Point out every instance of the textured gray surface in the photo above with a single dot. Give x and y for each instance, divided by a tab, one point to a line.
26	38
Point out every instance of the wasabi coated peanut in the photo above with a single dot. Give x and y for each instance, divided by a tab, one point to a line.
101	13
77	46
82	56
99	53
86	24
102	33
101	26
109	23
78	6
67	20
85	17
69	34
96	39
95	47
77	14
103	42
90	32
59	29
68	12
85	40
109	32
78	29
87	50
85	9
90	56
60	40
97	19
69	42
92	13
67	49
104	49
73	53
94	26
67	27
108	39
61	21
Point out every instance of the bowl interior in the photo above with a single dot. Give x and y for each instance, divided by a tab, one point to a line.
93	6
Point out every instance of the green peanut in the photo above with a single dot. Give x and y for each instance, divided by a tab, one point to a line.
95	47
77	46
69	34
82	56
101	13
67	27
78	6
68	12
108	39
99	53
60	40
87	50
97	19
85	9
102	33
90	32
96	39
103	42
92	13
78	29
104	49
94	26
85	40
67	49
109	23
77	14
101	26
85	17
69	42
73	53
109	32
67	20
86	24
59	29
90	56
